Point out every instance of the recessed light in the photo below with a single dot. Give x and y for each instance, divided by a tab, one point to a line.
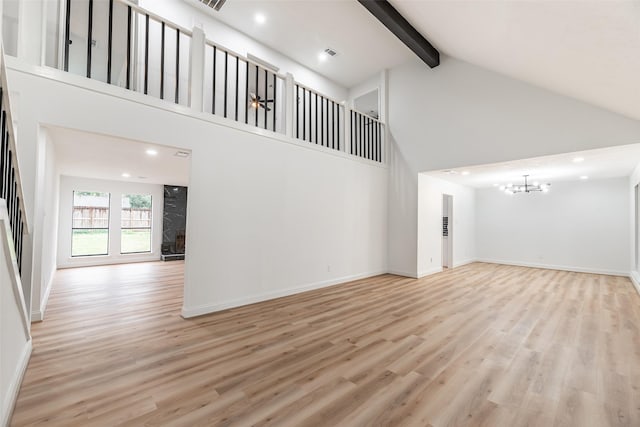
152	152
126	175
322	56
259	18
578	159
495	185
465	173
583	177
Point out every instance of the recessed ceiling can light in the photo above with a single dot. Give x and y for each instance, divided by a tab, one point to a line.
322	57
126	175
260	18
152	152
583	177
465	173
495	185
578	159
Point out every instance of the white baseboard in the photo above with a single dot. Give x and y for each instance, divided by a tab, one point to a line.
200	310
556	267
37	316
14	386
635	279
464	262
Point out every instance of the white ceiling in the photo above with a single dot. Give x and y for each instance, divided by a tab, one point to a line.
597	164
301	29
589	50
96	156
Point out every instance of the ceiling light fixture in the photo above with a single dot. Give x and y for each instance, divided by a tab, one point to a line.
511	189
152	152
578	159
322	57
260	18
465	173
126	175
584	177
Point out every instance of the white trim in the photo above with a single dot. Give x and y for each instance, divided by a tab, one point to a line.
556	267
635	280
429	272
38	316
200	310
96	86
14	386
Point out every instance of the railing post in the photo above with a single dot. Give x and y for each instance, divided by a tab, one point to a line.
383	114
347	127
196	70
289	104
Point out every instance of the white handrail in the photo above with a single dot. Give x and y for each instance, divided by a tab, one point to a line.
167	23
367	115
242	57
6	240
327	97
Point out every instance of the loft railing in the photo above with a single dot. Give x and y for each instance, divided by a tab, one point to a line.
242	90
367	136
318	118
159	58
10	182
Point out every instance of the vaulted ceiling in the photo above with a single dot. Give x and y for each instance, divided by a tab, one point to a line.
588	50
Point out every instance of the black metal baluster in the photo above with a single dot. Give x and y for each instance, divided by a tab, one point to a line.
304	114
246	93
266	93
110	42
177	66
360	134
162	29
257	103
326	125
89	38
322	104
226	83
128	47
275	87
333	124
297	99
213	94
67	35
237	85
316	123
338	126
146	53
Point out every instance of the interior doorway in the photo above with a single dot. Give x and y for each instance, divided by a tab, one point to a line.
447	231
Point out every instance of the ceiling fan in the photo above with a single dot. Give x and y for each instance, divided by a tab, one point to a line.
255	101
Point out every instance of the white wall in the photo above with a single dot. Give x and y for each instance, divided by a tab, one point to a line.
15	342
116	189
458	114
634	209
45	226
267	215
578	226
462	227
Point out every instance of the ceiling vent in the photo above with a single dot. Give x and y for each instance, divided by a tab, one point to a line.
330	52
213	4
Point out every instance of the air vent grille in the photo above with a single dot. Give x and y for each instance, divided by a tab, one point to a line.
330	52
213	4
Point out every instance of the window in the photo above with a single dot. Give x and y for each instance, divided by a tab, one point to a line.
90	225
135	224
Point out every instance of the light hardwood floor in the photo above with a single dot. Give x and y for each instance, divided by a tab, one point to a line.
479	345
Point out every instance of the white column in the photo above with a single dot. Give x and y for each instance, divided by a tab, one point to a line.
384	112
290	99
30	31
347	127
196	70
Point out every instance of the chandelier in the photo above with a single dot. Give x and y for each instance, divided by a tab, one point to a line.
526	188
